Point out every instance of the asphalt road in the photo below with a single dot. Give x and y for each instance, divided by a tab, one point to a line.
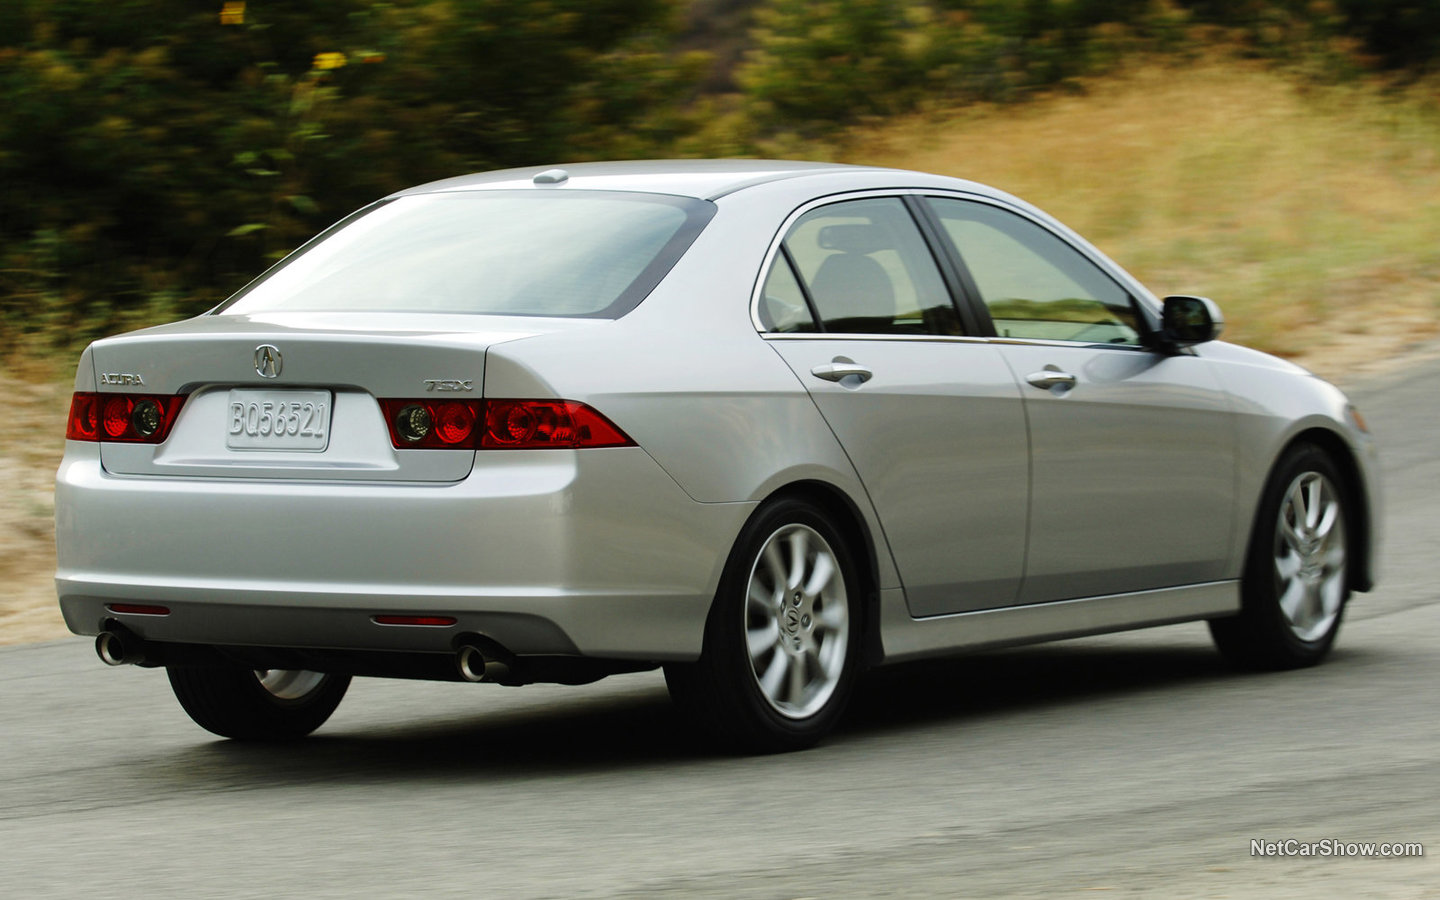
1134	765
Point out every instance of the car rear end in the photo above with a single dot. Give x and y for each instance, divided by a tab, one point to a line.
317	476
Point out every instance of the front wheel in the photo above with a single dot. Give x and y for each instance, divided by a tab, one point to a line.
1296	574
258	704
779	657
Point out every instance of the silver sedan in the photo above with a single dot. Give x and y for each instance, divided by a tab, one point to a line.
762	424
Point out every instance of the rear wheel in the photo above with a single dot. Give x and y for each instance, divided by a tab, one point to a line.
258	705
1296	575
780	656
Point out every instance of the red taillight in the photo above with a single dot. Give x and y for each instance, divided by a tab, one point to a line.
537	424
127	418
454	423
431	424
498	425
84	422
117	415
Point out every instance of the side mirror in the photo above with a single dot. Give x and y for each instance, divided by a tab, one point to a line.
1186	321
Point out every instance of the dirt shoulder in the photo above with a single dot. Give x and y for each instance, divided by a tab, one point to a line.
30	451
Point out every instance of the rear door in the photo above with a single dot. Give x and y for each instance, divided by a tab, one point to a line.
1133	451
856	304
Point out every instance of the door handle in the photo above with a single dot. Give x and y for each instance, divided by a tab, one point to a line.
1051	378
839	370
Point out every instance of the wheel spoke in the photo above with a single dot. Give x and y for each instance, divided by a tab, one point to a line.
1296	511
798	672
1292	515
1314	608
831	657
1293	600
1313	502
775	565
774	675
831	617
1287	566
799	550
1328	518
759	599
820	577
1331	593
1288	532
762	640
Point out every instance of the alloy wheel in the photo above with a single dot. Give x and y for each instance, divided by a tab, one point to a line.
289	684
797	621
1310	556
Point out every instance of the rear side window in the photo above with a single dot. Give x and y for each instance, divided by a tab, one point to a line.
529	253
782	303
865	269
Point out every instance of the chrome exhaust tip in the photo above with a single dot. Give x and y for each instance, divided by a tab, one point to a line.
117	647
474	667
471	663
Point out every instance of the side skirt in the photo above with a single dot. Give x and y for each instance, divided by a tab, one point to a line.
904	637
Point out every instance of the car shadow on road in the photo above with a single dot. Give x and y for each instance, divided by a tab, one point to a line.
640	729
1015	680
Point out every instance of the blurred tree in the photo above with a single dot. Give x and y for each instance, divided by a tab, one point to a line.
817	64
151	156
1400	32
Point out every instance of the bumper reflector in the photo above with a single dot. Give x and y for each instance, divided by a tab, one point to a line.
430	621
137	609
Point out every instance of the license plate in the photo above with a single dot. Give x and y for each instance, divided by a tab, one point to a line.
278	420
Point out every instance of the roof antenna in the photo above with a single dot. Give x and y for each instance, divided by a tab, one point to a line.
552	176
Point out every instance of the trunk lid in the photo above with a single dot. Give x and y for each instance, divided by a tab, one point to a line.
329	372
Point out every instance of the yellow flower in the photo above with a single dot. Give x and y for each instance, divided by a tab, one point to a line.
233	13
329	60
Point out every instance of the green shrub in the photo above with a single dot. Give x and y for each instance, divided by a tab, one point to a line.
147	169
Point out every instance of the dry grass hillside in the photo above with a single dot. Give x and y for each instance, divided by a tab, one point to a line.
1311	214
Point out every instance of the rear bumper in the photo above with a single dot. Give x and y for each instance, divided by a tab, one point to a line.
594	553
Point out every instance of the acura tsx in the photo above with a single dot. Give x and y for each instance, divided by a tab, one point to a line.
761	424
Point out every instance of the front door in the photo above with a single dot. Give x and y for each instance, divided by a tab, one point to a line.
1132	451
931	419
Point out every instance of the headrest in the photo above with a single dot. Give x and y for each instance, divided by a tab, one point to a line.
853	238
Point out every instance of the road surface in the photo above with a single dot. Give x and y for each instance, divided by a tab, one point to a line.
1132	765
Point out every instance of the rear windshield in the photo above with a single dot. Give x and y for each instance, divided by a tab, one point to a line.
529	253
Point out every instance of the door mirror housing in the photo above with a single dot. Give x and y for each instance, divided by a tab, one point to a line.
1186	321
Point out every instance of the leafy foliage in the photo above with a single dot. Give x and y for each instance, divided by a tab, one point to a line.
834	60
148	170
156	154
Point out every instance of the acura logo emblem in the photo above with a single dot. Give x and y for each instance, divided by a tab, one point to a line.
267	361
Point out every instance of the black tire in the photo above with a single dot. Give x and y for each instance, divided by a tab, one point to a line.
1265	635
816	637
234	703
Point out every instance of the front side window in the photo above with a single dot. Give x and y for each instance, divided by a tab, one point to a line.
1035	285
530	253
865	269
